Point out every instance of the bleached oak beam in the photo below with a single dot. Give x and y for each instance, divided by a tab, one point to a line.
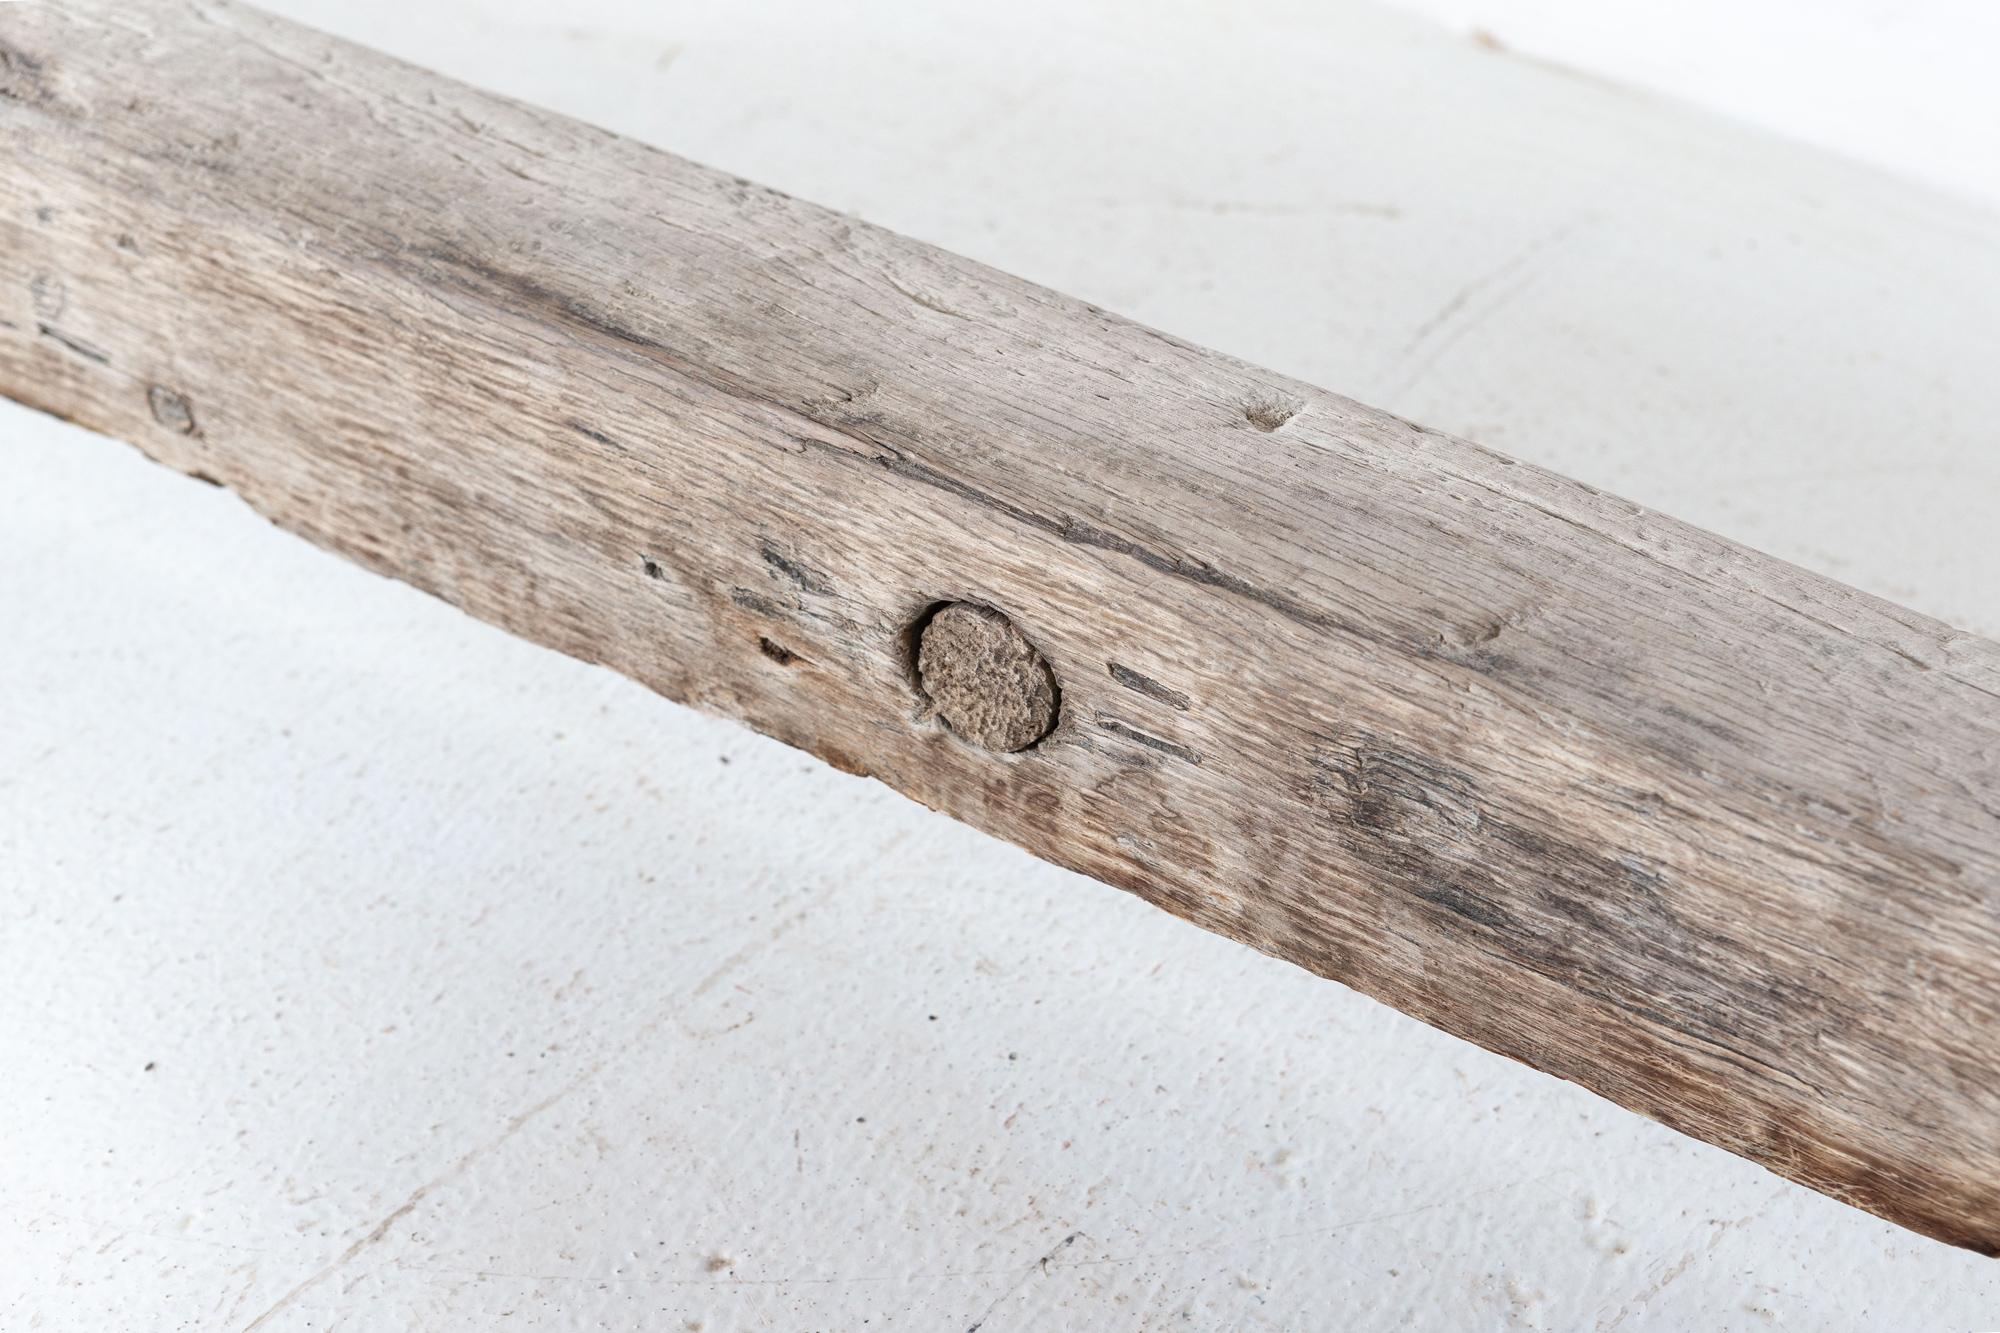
1708	834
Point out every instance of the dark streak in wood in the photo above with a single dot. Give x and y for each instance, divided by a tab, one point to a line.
1146	685
1126	731
74	345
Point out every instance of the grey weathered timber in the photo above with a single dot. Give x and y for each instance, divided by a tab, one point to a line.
1708	834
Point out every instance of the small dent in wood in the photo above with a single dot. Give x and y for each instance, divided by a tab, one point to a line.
845	407
794	570
777	652
757	603
171	409
1267	414
591	433
49	295
1395	792
24	78
983	678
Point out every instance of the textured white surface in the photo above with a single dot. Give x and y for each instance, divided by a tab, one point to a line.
362	968
1903	84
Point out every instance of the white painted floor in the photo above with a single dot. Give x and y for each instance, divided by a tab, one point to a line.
364	969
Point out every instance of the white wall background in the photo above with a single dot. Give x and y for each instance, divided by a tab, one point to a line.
362	968
1908	85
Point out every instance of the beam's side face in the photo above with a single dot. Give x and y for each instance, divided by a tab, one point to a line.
1710	835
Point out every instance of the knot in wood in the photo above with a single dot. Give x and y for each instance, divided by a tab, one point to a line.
985	679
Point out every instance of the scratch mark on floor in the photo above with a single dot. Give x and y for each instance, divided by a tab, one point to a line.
514	1126
1461	314
1372	1219
417	1196
1040	1266
748	952
1632	1306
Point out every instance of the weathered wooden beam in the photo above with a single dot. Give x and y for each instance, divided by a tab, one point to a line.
1706	833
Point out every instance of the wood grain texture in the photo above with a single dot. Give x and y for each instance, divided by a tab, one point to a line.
1706	833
